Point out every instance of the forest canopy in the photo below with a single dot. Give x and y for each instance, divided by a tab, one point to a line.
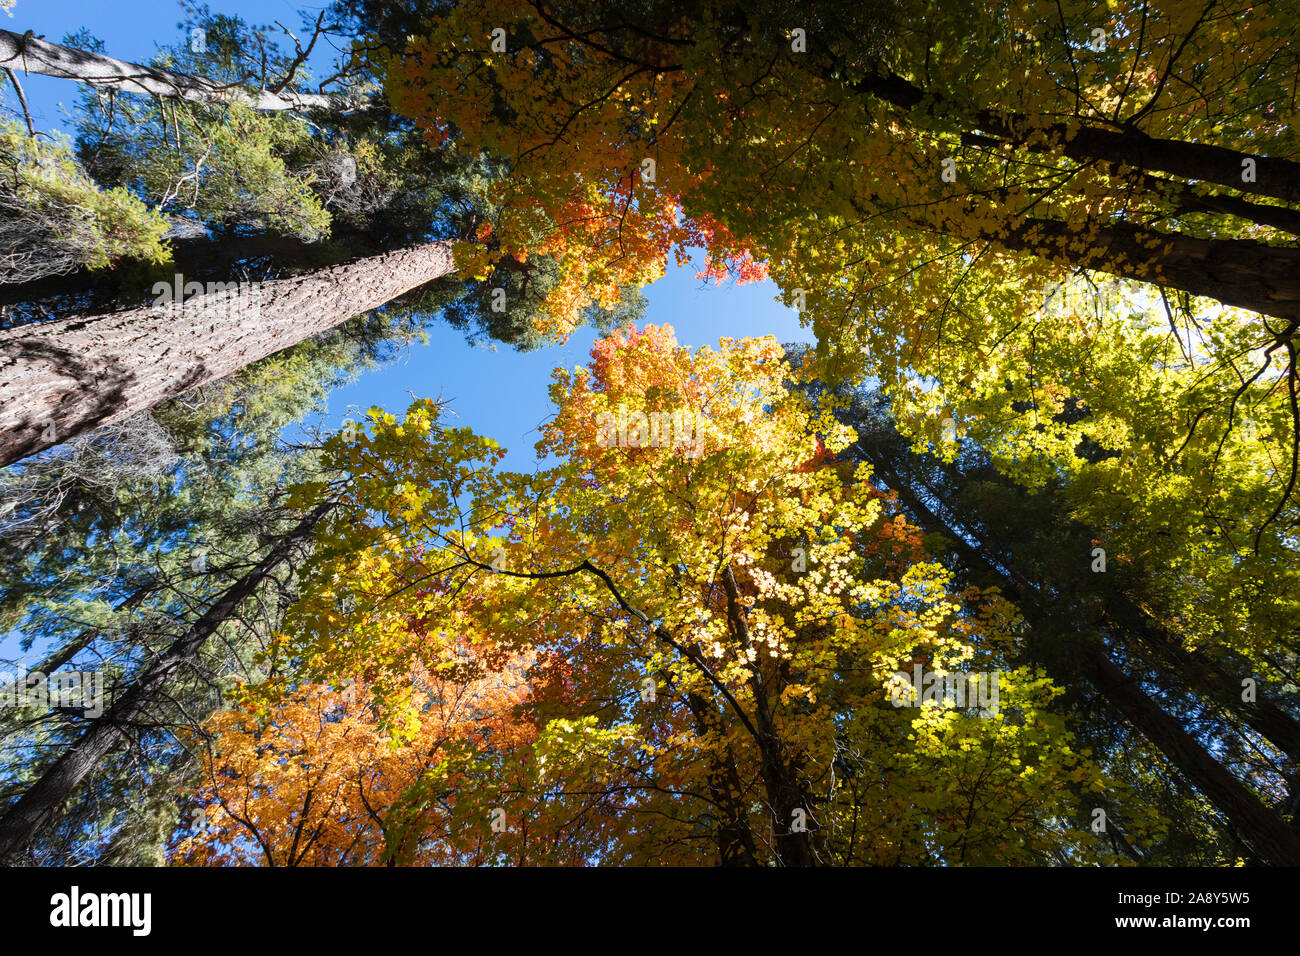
999	568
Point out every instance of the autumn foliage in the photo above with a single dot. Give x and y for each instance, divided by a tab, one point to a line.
703	646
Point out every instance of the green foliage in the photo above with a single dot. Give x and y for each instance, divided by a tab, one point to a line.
109	563
57	219
1036	546
227	166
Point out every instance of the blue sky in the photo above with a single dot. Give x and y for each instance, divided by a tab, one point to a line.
498	393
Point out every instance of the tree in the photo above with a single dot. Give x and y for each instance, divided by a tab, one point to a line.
1002	180
1078	622
43	799
56	218
315	780
64	377
730	103
114	552
702	691
125	531
237	172
35	55
948	278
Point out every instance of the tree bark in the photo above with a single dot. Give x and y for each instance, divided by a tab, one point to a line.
1125	146
1240	272
26	52
62	378
1263	829
780	778
1124	619
44	798
735	841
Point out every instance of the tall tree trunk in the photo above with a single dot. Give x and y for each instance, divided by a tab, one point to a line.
26	52
1123	618
785	793
735	841
1208	676
1263	829
44	798
59	379
1087	142
1240	272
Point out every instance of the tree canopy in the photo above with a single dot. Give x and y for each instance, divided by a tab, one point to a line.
1000	570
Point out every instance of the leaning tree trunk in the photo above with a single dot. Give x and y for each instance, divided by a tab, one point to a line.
196	259
62	378
1262	828
32	55
44	798
1086	143
1242	272
200	258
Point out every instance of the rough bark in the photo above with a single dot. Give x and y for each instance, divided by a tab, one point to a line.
1121	146
59	379
1262	828
33	55
43	799
781	781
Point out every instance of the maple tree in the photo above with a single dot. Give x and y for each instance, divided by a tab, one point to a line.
677	643
759	119
939	193
360	197
711	621
1142	673
316	781
917	182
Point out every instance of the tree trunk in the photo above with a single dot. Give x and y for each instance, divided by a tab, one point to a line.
1130	147
1208	677
1240	272
62	378
44	798
32	55
788	800
1279	178
1263	829
1126	621
735	841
